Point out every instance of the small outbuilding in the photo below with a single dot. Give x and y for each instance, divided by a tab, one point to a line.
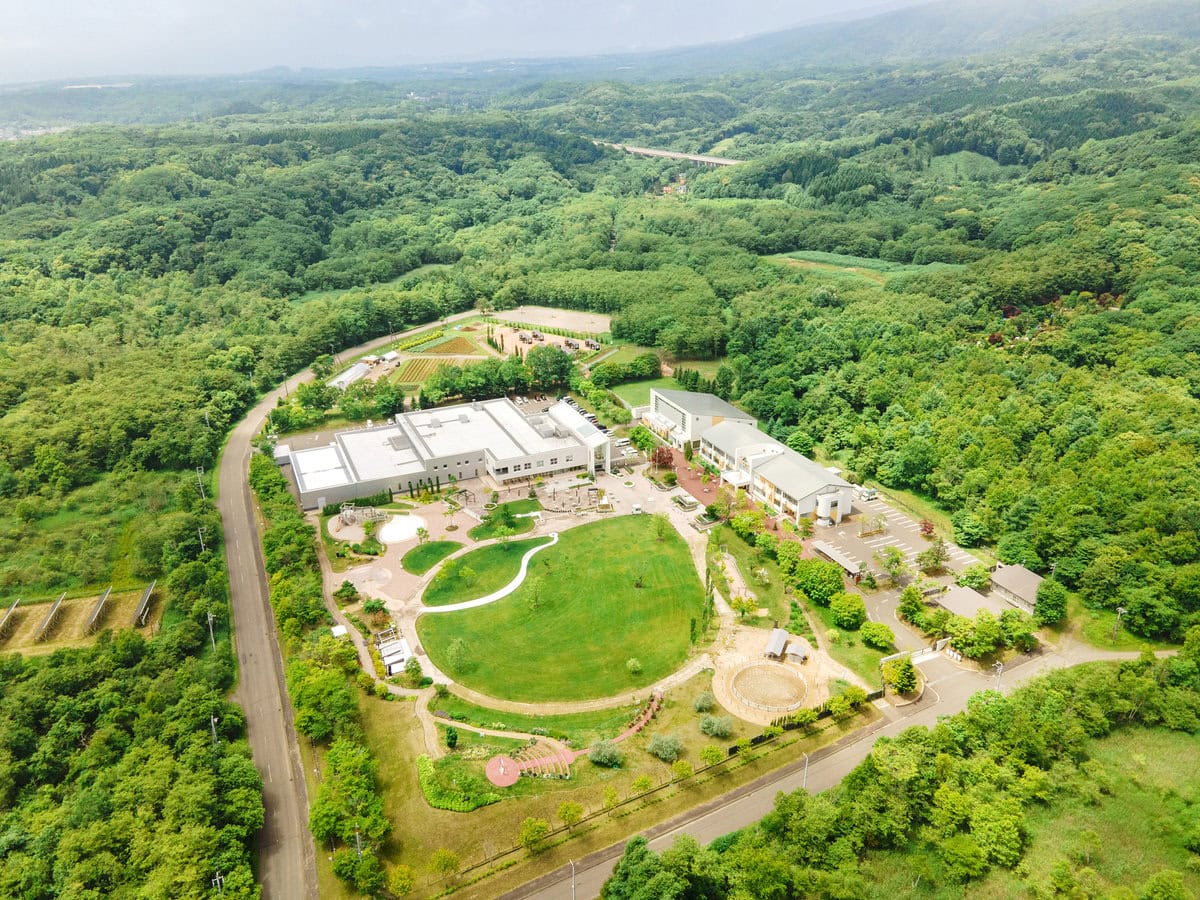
776	644
1016	584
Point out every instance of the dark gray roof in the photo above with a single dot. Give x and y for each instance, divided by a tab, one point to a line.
698	404
965	601
1018	581
777	643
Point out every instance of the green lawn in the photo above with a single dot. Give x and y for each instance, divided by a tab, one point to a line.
491	568
637	393
582	729
590	618
422	558
487	529
1138	826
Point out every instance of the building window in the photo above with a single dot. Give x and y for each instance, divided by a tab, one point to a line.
554	460
528	466
502	470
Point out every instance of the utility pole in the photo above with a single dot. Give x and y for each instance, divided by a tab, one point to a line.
219	883
572	862
999	667
200	478
1117	624
358	842
200	531
804	782
211	636
212	721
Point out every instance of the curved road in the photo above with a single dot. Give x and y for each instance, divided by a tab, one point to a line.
286	857
948	688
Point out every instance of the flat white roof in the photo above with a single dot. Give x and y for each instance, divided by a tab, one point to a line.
376	453
496	426
572	419
320	468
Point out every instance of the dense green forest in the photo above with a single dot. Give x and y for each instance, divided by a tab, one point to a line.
970	278
955	799
124	770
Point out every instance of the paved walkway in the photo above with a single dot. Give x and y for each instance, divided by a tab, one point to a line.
503	592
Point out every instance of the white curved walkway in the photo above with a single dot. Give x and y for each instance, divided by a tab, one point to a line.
504	591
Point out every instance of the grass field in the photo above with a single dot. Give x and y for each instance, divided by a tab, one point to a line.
590	618
637	393
876	270
1137	828
423	557
486	530
493	566
581	729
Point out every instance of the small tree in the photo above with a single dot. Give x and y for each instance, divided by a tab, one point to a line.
533	834
891	560
401	880
975	576
445	863
711	754
451	737
682	770
412	671
641	784
569	813
934	558
1051	605
900	675
610	796
911	607
704	702
422	535
666	747
633	665
849	611
346	592
805	717
662	458
744	607
457	655
662	526
717	726
607	754
533	593
927	528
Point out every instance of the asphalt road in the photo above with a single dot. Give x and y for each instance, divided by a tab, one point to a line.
286	856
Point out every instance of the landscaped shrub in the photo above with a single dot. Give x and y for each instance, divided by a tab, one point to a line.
877	635
848	610
440	797
666	747
607	754
704	702
717	726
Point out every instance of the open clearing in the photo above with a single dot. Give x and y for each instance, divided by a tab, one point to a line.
72	618
876	270
570	319
637	393
568	631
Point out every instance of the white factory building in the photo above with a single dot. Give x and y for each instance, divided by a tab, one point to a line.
490	438
729	440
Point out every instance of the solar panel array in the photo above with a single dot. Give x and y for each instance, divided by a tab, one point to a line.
97	611
48	623
6	622
143	608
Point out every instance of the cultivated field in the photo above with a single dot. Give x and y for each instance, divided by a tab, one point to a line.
454	346
415	371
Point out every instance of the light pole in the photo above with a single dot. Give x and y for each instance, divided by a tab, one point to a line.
999	667
572	862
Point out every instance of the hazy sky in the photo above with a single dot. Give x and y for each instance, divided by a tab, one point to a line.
45	39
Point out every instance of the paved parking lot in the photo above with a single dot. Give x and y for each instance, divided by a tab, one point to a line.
902	531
